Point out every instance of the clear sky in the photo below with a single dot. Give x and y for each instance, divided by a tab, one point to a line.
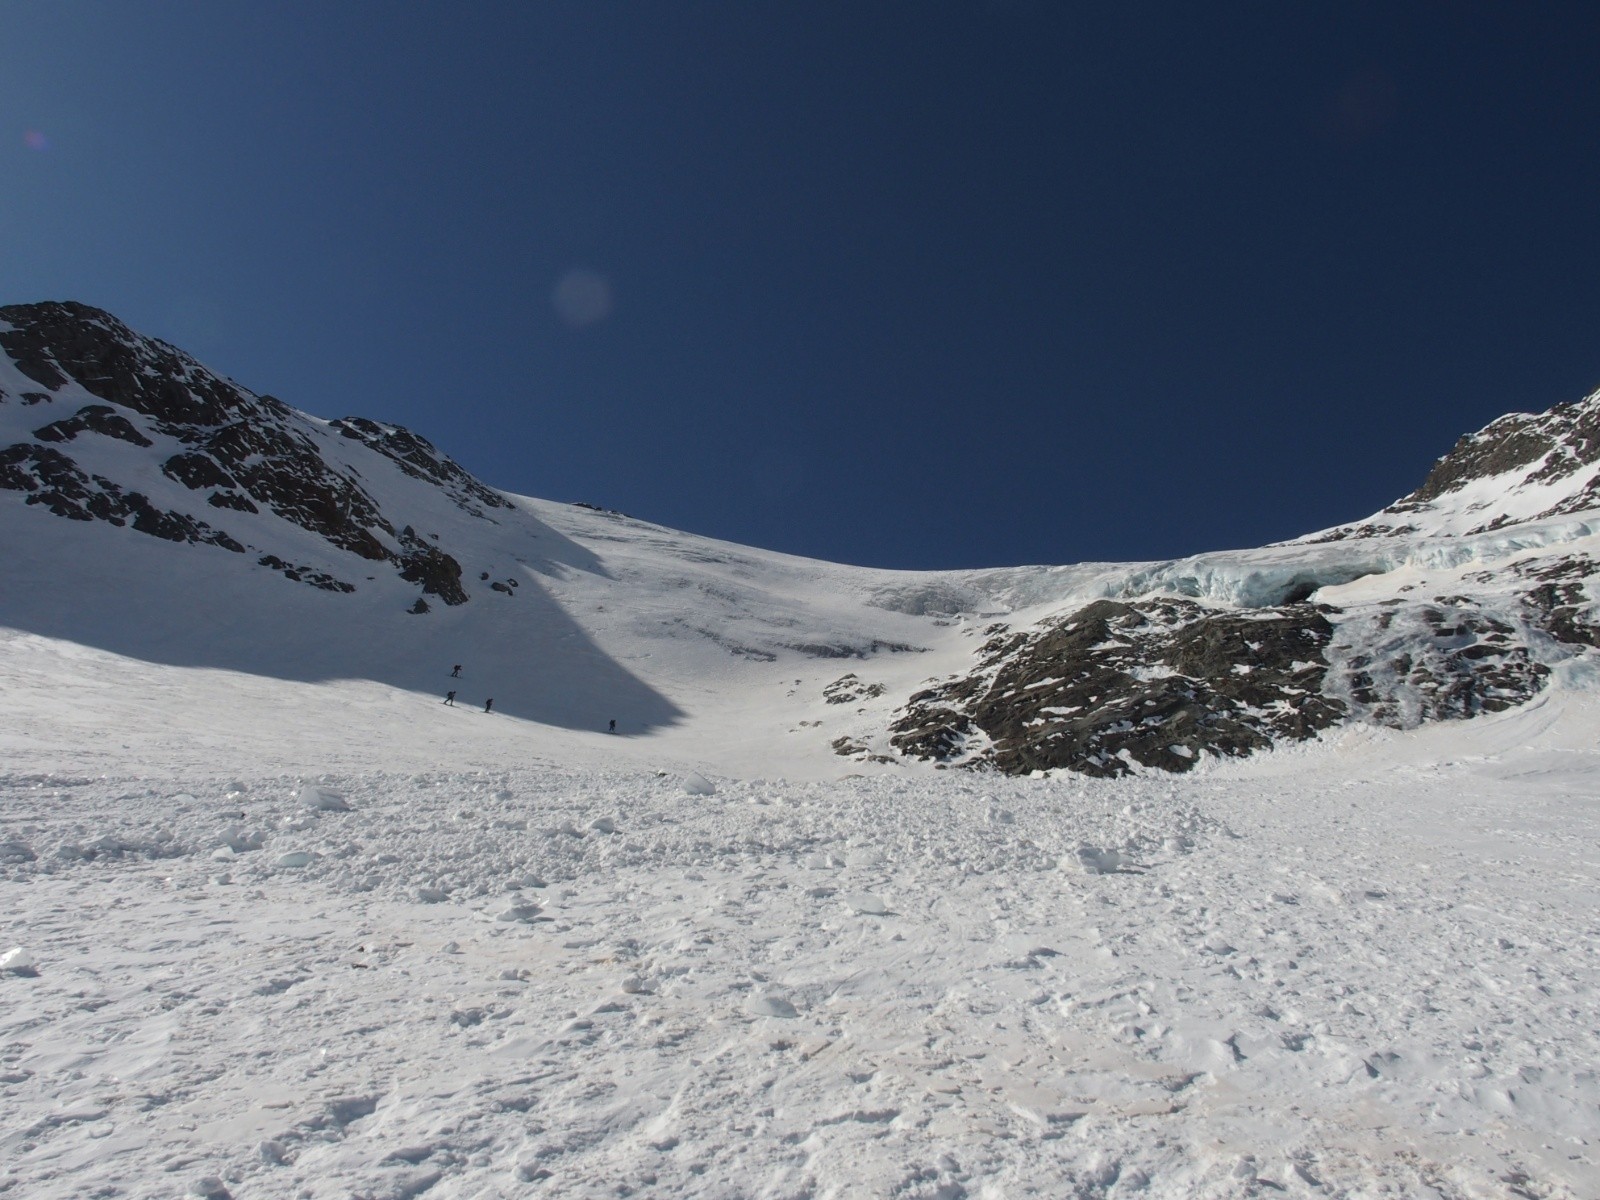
902	284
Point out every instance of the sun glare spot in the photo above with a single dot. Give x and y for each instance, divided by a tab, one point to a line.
582	297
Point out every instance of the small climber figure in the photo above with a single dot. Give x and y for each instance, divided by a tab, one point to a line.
450	699
488	705
456	674
613	728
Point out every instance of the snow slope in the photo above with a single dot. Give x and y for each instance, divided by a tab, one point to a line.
1362	968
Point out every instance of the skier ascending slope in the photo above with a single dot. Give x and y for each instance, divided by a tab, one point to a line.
450	699
488	705
456	672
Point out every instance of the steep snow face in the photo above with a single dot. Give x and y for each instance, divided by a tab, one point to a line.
1522	467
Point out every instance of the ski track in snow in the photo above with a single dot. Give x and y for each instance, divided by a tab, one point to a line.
1360	973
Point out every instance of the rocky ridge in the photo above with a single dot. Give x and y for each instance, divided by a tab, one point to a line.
1520	467
234	452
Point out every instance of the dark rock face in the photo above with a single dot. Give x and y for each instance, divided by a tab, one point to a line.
231	500
53	343
53	481
846	747
93	418
251	454
196	471
852	649
1156	683
436	571
1560	609
280	469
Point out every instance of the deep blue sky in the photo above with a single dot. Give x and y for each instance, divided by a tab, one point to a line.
912	284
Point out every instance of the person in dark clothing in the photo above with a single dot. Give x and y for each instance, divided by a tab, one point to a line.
450	699
456	674
488	705
613	728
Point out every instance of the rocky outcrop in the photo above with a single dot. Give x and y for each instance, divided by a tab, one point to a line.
317	579
1154	683
1405	664
849	689
1163	682
1549	446
437	573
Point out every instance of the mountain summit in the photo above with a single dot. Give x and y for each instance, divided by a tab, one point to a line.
154	509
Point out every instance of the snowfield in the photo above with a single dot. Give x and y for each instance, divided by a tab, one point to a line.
1360	968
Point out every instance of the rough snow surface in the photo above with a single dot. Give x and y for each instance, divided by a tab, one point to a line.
1359	970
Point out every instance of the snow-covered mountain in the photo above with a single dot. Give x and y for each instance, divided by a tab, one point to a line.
1519	469
155	510
279	923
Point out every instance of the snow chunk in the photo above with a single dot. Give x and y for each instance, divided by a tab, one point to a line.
866	904
1094	861
521	911
296	858
240	842
772	1005
15	852
695	784
323	799
17	961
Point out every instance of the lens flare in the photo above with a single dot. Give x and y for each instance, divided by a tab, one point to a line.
34	140
582	297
